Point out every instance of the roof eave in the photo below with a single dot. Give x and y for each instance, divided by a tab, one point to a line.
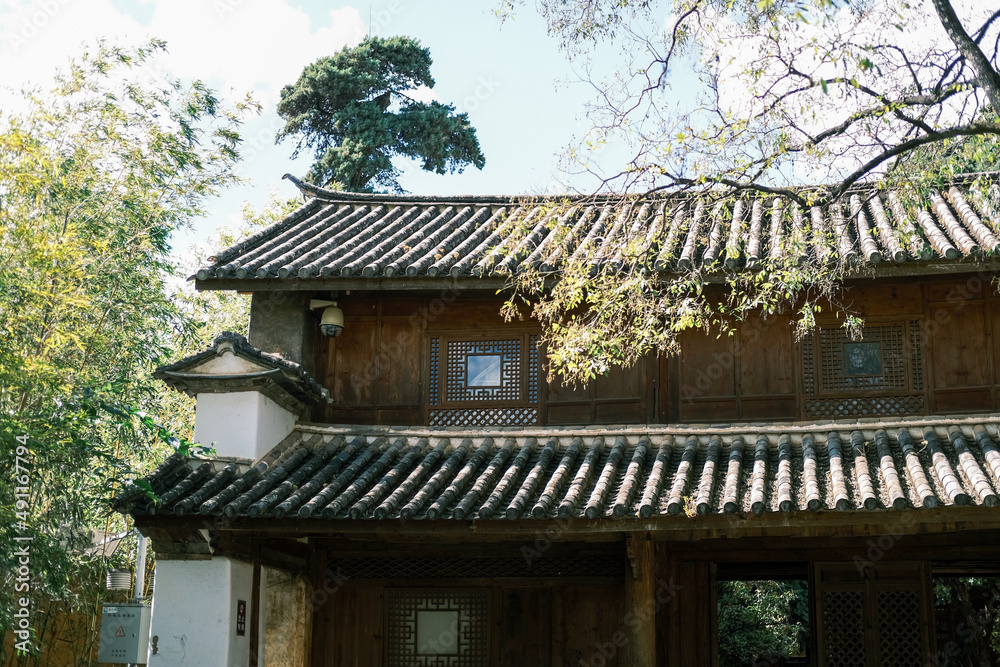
491	284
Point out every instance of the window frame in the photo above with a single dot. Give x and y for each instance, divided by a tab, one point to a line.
437	398
428	593
911	394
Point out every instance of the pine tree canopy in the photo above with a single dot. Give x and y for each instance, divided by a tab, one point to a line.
355	112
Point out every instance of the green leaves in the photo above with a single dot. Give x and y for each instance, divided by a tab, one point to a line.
353	110
96	175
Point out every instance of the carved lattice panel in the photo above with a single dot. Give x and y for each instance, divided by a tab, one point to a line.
484	417
483	370
900	638
435	364
808	374
488	381
533	369
875	362
417	567
864	406
437	628
916	356
879	375
844	628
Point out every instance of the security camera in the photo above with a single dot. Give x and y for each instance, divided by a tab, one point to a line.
331	323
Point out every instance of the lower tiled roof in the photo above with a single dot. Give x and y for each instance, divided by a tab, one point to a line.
364	473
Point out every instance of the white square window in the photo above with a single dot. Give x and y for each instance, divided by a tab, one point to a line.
446	628
437	632
482	370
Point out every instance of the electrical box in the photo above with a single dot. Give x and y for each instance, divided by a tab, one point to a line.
124	633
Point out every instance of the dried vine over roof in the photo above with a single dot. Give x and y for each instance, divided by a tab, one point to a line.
336	235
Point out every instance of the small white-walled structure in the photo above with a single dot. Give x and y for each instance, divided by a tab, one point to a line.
194	622
244	424
248	401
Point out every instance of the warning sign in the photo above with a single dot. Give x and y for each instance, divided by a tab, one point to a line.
120	632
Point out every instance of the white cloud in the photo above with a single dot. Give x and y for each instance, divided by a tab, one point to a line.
258	45
244	45
39	37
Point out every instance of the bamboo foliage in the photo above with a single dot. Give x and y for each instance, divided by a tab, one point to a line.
95	176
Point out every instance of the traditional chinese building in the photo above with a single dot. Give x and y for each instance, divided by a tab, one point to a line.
413	491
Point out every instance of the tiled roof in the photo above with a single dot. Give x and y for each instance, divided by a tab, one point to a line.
337	235
356	473
191	375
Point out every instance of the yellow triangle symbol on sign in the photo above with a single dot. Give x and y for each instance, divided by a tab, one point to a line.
121	632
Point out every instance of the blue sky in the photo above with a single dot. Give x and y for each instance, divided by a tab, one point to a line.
506	77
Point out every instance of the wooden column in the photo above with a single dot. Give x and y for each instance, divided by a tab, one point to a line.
317	645
688	614
640	602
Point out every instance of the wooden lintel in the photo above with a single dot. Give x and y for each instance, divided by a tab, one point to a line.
673	529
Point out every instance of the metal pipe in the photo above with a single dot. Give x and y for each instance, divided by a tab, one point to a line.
140	578
140	570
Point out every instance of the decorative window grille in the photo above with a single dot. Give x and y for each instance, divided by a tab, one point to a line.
487	370
879	615
879	375
875	362
843	622
484	380
437	628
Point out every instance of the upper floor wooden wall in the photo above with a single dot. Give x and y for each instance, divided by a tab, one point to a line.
927	348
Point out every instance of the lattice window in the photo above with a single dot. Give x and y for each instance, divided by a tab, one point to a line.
437	628
876	362
844	628
879	375
486	370
900	639
484	381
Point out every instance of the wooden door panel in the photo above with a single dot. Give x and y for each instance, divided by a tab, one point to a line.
526	627
399	361
767	359
351	370
958	346
707	365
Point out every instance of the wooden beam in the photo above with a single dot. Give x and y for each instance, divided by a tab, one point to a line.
640	602
677	528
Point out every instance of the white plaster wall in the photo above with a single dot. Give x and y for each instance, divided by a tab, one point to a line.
194	613
246	424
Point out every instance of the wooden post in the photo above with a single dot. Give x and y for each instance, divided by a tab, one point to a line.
640	602
317	645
